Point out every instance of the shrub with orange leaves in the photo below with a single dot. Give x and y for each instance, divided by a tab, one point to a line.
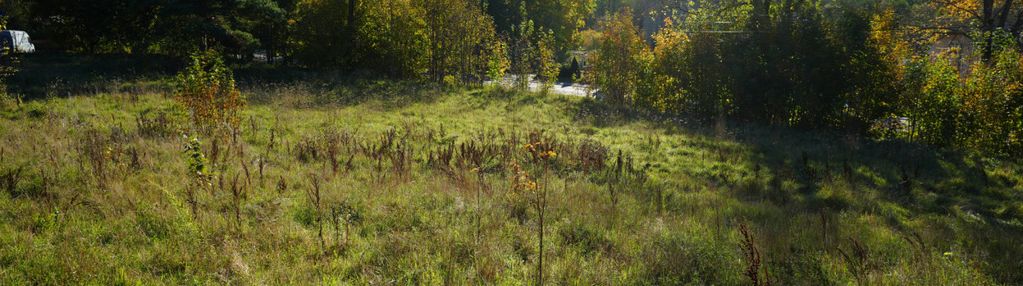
521	180
207	89
541	148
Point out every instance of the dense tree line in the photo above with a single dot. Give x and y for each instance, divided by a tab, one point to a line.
174	27
454	41
941	72
872	69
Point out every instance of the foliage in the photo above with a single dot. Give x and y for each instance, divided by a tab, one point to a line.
326	33
401	38
461	37
700	90
936	103
157	26
499	63
851	69
6	69
877	71
207	89
621	64
547	66
197	164
993	105
9	67
200	178
563	18
524	54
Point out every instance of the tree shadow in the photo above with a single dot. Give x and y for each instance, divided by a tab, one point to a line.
902	170
899	182
41	76
62	75
796	172
340	90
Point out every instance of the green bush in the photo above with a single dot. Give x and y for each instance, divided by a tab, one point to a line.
993	105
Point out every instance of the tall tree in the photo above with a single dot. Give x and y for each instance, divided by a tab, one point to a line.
563	17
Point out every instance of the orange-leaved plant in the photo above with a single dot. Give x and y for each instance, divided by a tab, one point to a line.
207	89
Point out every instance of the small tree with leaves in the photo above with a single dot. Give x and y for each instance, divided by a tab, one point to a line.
547	66
622	61
207	89
498	64
523	53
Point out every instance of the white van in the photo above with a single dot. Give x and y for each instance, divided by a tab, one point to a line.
16	42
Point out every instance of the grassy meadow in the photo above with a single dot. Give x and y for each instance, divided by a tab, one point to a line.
358	182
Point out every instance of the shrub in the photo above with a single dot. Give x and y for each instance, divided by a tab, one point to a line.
522	52
198	170
935	102
993	105
499	63
622	61
547	67
208	91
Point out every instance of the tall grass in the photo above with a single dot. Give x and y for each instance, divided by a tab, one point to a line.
482	187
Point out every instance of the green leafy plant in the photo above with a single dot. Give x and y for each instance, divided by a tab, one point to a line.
546	65
197	169
343	216
498	64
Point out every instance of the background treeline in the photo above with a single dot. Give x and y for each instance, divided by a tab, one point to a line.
458	41
941	72
863	67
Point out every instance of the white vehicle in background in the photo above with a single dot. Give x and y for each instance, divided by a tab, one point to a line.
16	42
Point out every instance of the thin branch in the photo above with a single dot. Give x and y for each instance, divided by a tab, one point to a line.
955	5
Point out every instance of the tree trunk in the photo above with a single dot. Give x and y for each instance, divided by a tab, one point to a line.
351	14
988	27
1003	17
348	33
1016	28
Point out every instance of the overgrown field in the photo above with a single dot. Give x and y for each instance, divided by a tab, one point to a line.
395	184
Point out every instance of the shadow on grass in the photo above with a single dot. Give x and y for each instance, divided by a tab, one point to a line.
512	98
42	76
902	183
973	200
813	156
61	75
341	91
